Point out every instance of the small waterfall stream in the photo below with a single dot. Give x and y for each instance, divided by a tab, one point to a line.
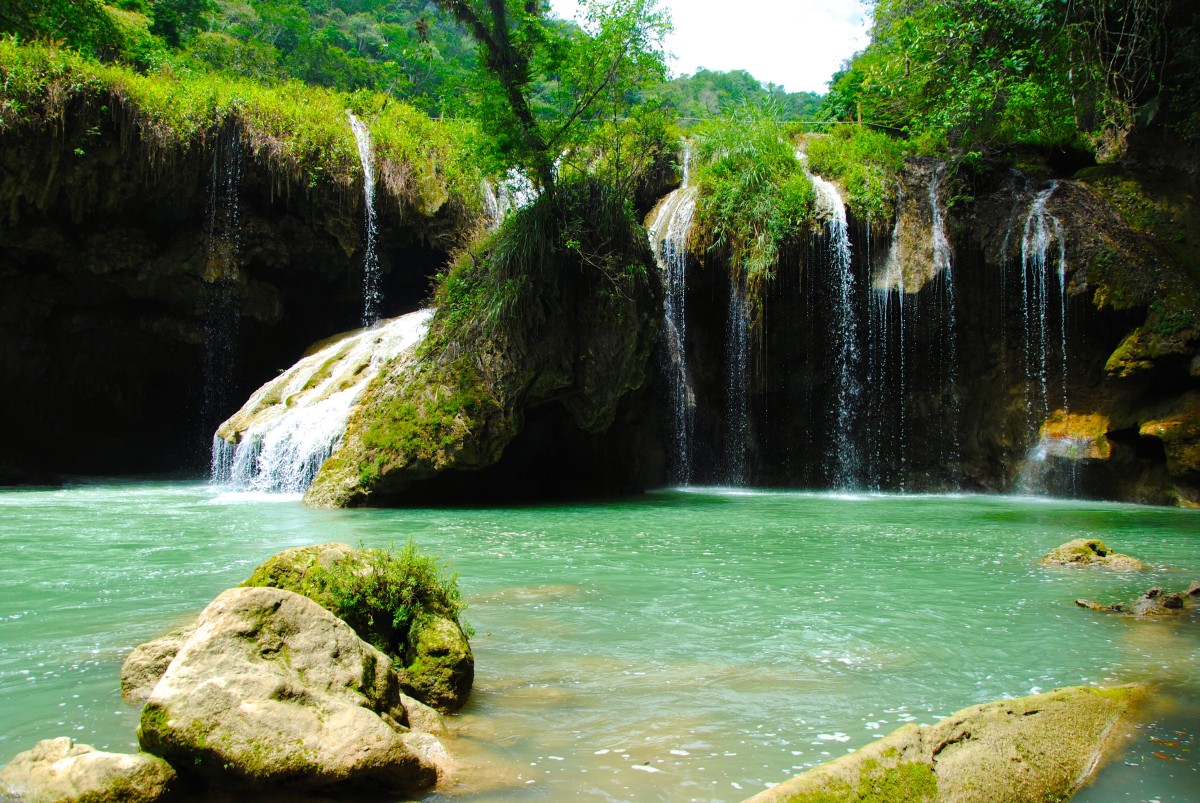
737	386
943	268
372	278
845	459
222	275
1040	231
669	232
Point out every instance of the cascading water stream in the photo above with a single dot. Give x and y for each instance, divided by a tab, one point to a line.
222	313
372	278
668	238
1041	229
737	387
943	270
845	461
278	441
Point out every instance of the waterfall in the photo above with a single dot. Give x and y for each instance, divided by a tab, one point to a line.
943	270
669	229
222	275
280	438
372	278
1041	229
845	460
737	386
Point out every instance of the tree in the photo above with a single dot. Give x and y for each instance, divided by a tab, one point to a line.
175	20
548	85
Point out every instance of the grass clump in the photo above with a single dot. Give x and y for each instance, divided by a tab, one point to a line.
752	196
865	163
379	593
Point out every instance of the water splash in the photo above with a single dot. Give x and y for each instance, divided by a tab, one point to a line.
669	230
289	427
372	277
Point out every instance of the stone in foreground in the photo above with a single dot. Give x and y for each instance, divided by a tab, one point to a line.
272	691
1037	748
60	771
1154	602
439	667
1091	552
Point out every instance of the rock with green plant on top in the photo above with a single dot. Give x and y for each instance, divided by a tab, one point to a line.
1154	602
1090	552
272	691
62	771
1036	748
402	603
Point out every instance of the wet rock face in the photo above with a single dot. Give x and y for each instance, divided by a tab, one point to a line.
115	295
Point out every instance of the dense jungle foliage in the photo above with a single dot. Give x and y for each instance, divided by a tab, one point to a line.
557	100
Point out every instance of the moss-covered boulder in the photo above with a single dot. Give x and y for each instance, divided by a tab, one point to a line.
1037	748
273	691
554	317
1090	552
62	771
438	663
402	604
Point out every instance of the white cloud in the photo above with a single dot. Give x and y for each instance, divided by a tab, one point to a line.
797	44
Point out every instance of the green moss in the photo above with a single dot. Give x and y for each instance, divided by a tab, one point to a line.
379	593
906	782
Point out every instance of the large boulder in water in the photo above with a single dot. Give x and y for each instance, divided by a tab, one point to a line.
272	691
438	666
61	771
1036	748
1090	552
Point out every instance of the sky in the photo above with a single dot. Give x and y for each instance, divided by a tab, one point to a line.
796	43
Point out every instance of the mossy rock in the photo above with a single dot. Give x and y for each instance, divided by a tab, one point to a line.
1090	552
1179	432
424	640
439	664
1037	748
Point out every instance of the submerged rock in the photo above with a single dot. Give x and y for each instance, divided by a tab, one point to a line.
1154	602
271	691
438	666
62	771
1090	552
1036	748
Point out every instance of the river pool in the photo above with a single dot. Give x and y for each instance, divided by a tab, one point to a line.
697	644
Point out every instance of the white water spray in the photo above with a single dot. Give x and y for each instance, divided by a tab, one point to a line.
669	232
290	426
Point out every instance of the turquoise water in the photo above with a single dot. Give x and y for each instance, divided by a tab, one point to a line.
687	645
